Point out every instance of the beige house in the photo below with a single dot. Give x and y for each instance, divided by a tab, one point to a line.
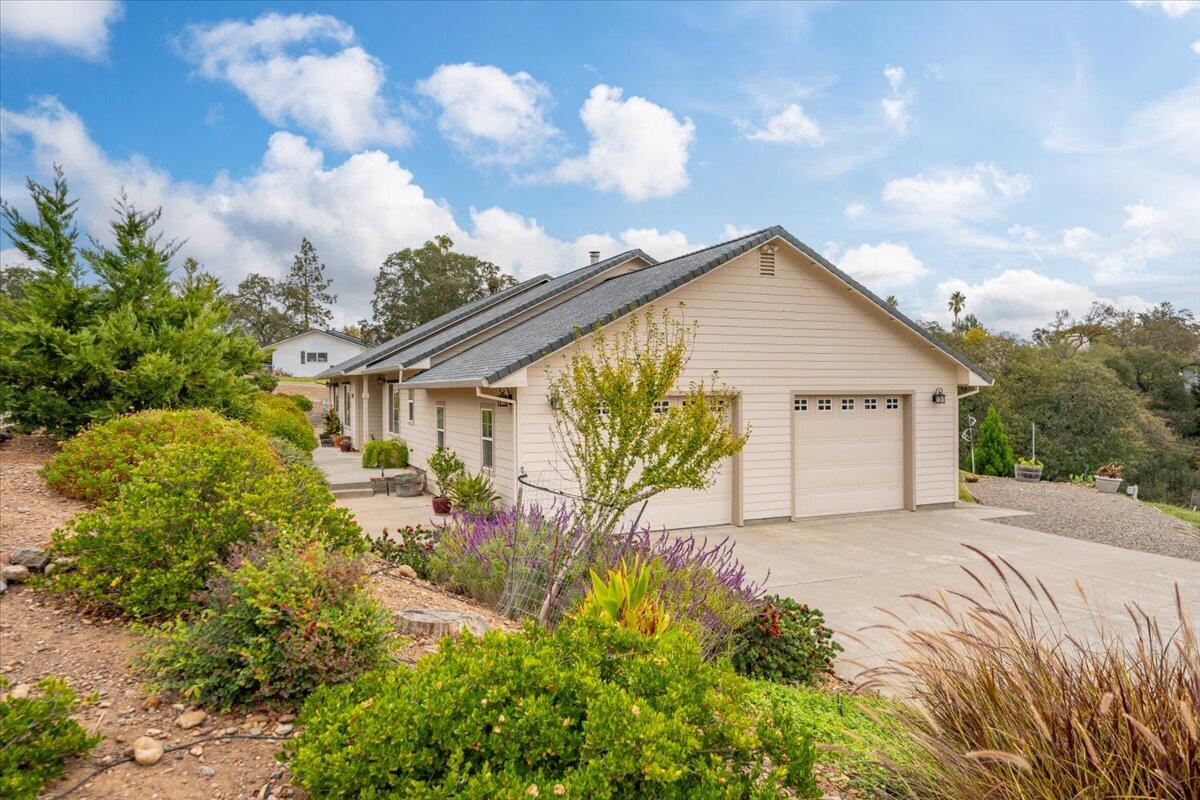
853	408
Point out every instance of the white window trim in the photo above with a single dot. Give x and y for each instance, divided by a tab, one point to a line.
490	413
412	406
393	410
439	425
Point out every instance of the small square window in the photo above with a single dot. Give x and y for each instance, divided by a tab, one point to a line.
847	404
824	404
800	404
661	406
870	403
892	403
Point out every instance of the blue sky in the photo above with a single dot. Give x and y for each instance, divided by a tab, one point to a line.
1036	156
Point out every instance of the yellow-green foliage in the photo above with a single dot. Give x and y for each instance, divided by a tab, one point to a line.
625	599
589	710
276	415
37	735
95	463
384	454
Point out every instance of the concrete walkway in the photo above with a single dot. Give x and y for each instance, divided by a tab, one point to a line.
851	567
374	513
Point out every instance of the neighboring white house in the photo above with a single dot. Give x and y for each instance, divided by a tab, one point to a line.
852	407
313	351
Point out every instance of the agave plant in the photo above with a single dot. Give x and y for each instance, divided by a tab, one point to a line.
473	493
625	599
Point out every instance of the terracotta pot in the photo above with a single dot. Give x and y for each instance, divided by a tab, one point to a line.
441	505
346	444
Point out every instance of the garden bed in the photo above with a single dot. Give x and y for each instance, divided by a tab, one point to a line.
1081	512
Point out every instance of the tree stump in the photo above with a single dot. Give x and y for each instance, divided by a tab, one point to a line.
439	622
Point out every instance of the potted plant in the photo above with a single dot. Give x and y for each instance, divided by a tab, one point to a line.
473	493
1028	470
346	443
444	464
409	482
1108	478
333	429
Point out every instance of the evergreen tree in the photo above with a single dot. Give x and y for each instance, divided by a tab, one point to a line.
255	310
305	291
72	353
993	456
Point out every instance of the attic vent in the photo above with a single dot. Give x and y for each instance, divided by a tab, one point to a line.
766	261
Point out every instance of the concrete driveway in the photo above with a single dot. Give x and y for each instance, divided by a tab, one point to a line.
850	567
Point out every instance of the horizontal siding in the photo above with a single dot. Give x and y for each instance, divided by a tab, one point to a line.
766	337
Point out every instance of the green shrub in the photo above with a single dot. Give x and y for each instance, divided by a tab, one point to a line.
302	402
412	545
289	454
444	464
265	381
475	569
993	455
289	618
384	454
787	642
588	710
473	493
37	735
95	463
149	551
276	415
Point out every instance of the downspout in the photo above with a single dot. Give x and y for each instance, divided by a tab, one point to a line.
968	394
516	434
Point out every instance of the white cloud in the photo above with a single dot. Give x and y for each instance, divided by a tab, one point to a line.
637	147
956	195
855	210
896	107
1020	300
1172	8
336	95
734	232
356	212
1147	234
790	126
1196	47
492	115
883	265
80	27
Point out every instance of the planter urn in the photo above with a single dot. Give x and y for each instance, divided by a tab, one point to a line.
326	440
1027	474
410	482
1107	485
441	505
346	444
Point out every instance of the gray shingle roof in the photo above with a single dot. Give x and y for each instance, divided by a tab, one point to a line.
557	327
477	323
345	337
434	325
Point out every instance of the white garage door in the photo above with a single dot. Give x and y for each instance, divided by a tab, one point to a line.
849	454
690	508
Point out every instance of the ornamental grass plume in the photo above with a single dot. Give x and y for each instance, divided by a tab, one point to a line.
1013	701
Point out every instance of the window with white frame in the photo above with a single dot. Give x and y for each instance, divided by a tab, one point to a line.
870	403
892	403
824	404
485	435
393	408
440	424
313	358
847	404
799	404
661	406
412	406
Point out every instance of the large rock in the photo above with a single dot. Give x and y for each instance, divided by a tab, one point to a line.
191	719
147	751
14	573
440	622
33	557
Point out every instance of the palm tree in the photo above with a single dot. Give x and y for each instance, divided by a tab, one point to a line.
892	301
957	301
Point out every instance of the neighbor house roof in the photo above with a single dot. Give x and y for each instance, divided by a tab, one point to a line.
539	336
345	337
433	326
499	312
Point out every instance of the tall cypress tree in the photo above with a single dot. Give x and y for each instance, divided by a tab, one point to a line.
305	291
993	455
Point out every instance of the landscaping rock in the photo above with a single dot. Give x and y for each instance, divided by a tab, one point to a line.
33	557
406	571
283	729
20	691
60	565
14	573
439	622
191	719
207	771
147	751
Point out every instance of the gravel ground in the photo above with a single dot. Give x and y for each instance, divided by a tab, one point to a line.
1083	513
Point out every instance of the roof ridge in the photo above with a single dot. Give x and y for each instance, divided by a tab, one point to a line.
725	243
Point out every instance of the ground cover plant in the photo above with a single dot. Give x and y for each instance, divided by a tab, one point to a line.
589	709
276	415
93	464
786	642
149	551
288	454
1185	514
37	736
1008	711
412	545
302	402
286	616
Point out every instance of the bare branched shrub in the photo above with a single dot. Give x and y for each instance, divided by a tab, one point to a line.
1010	705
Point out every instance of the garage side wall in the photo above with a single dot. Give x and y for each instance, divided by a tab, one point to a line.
768	337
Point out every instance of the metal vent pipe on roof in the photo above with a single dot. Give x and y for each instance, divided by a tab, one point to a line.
595	254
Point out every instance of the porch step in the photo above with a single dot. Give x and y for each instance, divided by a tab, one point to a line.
346	493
